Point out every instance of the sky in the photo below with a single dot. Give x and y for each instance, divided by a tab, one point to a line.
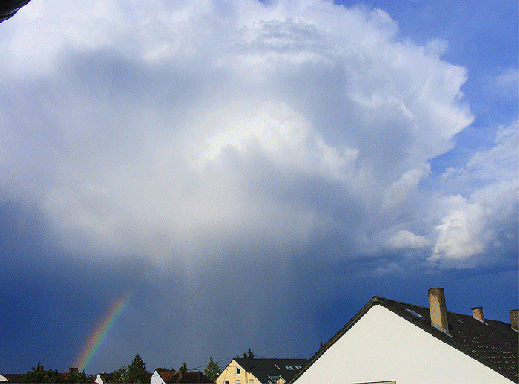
185	180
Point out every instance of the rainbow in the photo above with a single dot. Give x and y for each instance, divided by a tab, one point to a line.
99	333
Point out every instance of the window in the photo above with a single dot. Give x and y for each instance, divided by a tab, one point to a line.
251	381
238	382
237	372
225	382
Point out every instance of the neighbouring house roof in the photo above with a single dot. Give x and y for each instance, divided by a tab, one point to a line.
104	376
167	376
13	377
492	342
188	377
194	377
266	370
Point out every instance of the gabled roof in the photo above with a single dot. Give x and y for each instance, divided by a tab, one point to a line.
105	376
194	377
267	369
188	377
492	342
167	376
13	377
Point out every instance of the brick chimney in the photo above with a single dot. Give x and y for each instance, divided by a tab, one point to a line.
514	319
438	309
477	313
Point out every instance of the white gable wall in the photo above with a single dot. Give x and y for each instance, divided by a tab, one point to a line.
156	379
384	346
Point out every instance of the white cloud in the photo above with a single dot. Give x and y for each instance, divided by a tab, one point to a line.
460	231
405	239
203	123
398	192
478	224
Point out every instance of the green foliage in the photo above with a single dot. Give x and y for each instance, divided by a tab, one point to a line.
119	376
76	376
38	375
213	370
246	355
183	369
137	371
134	373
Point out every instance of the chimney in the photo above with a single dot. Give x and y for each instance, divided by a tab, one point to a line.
514	319
438	309
477	313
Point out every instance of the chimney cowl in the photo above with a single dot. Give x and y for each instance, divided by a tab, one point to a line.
438	309
477	313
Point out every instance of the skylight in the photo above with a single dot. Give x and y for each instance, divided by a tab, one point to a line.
413	313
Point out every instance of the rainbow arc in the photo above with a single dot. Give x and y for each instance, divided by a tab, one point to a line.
98	335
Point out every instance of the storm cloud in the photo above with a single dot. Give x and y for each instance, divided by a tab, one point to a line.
208	138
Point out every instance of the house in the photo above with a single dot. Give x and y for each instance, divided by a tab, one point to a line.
103	378
260	371
163	376
171	376
392	342
13	378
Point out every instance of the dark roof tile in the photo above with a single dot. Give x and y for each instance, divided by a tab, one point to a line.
492	343
265	370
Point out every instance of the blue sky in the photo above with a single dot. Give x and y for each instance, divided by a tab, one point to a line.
253	173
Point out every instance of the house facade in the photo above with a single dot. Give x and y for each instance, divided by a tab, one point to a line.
389	341
260	371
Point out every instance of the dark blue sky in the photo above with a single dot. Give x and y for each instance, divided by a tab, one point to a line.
251	173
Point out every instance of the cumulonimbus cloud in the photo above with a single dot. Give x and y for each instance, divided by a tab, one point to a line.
170	130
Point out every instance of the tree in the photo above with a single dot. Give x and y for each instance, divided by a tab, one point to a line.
119	376
38	375
137	371
76	376
183	369
35	375
246	355
213	370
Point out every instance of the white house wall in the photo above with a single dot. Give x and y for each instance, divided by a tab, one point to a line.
383	346
156	379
